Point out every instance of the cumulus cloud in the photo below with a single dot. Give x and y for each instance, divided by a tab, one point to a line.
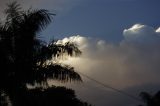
123	64
142	34
133	62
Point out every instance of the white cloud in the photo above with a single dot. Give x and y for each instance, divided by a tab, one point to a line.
131	63
141	34
82	42
158	30
122	64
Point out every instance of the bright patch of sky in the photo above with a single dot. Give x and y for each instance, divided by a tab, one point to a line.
132	65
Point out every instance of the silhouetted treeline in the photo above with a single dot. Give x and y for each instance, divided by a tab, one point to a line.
54	96
26	59
150	100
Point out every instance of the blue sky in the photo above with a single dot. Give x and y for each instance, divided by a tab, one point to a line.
104	19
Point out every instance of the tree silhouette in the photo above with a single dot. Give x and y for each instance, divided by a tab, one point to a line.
54	96
150	100
25	59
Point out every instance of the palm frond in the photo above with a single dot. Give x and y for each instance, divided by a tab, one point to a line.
58	72
13	9
55	51
37	19
68	48
71	49
13	12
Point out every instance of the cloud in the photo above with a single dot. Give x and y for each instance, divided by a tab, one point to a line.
132	63
141	34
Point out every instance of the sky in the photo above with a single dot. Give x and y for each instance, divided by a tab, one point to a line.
119	40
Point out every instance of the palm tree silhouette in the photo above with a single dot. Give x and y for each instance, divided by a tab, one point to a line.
25	59
150	100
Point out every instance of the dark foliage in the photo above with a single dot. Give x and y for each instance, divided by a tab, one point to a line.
25	59
54	96
150	100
